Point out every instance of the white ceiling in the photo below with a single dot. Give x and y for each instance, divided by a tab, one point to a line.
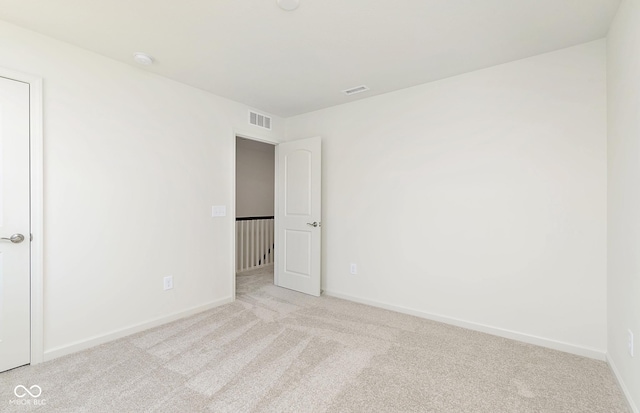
287	63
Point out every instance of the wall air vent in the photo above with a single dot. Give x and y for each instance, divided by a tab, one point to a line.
260	120
354	90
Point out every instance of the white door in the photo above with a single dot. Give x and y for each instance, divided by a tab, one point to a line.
298	230
15	324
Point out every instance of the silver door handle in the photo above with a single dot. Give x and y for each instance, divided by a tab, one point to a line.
314	224
15	238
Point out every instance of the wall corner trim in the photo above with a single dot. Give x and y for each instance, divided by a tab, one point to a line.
513	335
116	334
625	390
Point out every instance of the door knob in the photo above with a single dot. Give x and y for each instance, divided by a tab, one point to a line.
15	238
314	224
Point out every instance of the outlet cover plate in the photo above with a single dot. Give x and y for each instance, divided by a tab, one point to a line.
168	283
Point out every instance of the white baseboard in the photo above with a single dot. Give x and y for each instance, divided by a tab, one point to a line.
624	388
513	335
114	335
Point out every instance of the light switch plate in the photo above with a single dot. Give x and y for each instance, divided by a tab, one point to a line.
219	211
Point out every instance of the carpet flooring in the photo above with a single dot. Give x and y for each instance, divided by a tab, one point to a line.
275	350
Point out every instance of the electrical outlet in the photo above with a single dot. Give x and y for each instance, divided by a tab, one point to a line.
168	283
354	268
630	342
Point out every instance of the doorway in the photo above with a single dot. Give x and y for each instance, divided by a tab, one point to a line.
255	205
290	243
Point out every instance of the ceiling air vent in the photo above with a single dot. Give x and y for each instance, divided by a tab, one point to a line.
354	90
259	120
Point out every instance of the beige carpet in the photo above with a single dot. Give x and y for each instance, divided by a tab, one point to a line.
274	350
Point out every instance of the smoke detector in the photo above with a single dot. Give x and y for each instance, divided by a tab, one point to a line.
288	5
143	58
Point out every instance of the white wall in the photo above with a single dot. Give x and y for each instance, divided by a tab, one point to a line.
133	164
624	195
479	199
255	168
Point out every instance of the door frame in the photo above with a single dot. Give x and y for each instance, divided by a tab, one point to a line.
36	181
234	242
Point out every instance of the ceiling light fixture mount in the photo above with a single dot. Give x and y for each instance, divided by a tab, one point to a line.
143	58
288	5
